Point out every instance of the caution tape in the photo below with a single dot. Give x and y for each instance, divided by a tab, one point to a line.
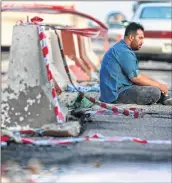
64	141
91	113
93	138
42	37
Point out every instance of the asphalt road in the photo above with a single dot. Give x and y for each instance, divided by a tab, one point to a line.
151	160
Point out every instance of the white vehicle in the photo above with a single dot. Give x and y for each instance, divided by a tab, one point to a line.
156	19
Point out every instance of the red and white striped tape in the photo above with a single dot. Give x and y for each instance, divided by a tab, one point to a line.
43	43
93	138
109	112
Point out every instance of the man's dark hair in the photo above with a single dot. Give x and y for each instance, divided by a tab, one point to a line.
132	28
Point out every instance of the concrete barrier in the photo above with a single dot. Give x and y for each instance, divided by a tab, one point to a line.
4	76
83	55
27	101
71	49
90	54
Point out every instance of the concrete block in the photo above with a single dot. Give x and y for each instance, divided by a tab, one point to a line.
67	129
27	100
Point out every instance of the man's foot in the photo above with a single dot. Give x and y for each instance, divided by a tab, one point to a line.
166	100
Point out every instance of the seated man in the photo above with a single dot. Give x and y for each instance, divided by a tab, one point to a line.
120	78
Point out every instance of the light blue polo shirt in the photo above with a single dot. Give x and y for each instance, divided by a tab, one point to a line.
118	66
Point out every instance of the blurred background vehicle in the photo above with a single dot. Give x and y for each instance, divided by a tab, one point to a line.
116	28
156	19
136	4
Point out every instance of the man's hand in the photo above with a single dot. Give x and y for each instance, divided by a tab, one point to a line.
163	88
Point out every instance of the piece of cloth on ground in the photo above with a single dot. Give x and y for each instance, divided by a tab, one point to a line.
71	88
81	103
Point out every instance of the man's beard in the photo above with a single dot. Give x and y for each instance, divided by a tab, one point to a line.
135	49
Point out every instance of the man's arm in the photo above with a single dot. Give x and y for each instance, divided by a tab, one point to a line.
147	76
144	80
128	63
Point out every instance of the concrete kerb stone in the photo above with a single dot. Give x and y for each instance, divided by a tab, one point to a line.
27	100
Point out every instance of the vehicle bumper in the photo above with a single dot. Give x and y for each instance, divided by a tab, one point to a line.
156	49
163	46
153	56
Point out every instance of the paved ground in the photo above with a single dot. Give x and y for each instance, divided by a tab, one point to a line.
80	157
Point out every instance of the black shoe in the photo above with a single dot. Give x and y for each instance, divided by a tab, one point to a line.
166	100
